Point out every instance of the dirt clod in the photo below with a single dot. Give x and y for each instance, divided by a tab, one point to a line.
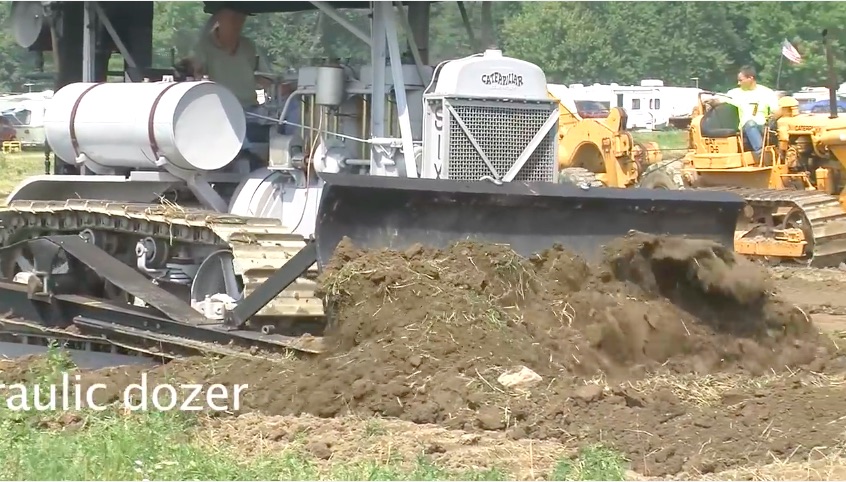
588	393
519	377
320	449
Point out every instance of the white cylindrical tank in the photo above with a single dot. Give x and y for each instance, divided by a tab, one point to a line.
192	125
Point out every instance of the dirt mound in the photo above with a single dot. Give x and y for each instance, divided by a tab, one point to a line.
728	292
424	335
654	300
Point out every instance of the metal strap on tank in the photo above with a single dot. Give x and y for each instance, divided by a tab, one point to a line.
151	134
72	124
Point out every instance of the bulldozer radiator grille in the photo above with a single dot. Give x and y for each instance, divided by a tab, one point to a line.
502	132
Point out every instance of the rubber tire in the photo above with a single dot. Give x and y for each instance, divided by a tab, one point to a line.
578	176
663	176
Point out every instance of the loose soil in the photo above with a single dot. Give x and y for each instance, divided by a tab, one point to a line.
819	292
650	352
350	441
816	290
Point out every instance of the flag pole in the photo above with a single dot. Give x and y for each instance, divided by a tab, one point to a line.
778	74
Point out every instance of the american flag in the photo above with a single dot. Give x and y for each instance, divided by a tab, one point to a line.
789	51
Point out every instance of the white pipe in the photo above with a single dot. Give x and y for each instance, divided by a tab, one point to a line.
377	96
399	90
88	42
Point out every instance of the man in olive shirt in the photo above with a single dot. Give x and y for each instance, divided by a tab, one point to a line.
228	57
231	59
756	105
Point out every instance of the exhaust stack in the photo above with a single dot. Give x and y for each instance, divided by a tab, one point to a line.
832	76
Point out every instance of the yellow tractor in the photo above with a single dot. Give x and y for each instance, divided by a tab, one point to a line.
599	152
794	192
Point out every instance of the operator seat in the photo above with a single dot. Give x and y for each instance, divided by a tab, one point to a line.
722	122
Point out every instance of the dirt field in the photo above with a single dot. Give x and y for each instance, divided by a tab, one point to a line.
689	361
818	291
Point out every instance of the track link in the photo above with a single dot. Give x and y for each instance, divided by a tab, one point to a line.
825	230
259	246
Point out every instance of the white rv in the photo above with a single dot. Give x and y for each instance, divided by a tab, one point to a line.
649	105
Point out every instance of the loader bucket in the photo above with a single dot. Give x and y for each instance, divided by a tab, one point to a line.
388	212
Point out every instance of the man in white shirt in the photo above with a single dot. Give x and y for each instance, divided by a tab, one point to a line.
757	106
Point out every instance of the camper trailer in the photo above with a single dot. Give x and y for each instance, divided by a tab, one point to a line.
649	105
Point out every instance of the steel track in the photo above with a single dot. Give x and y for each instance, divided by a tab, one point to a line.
823	219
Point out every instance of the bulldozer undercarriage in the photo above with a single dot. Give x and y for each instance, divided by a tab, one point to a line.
93	298
806	227
794	225
85	250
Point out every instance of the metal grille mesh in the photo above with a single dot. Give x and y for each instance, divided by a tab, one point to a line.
502	132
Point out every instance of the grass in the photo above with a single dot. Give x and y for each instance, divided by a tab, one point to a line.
708	390
159	446
116	445
676	140
594	462
18	166
673	144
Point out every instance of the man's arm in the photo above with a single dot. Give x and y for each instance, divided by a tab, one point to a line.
720	98
775	108
261	65
199	60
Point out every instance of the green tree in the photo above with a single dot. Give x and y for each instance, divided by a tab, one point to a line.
567	39
801	23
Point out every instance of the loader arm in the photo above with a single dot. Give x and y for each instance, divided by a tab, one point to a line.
601	146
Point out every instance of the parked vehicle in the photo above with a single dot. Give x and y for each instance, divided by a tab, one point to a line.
821	107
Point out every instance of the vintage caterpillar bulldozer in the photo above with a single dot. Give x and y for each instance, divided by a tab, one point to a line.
794	193
159	237
599	152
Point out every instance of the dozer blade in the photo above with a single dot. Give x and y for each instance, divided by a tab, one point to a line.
389	212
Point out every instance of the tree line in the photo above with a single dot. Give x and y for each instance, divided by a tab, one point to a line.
682	43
